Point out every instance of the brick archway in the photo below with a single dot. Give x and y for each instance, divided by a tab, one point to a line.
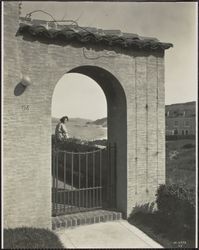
132	77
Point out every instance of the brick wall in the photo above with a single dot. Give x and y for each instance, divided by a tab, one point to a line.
130	82
26	176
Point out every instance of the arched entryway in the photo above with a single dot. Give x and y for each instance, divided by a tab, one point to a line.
116	125
44	55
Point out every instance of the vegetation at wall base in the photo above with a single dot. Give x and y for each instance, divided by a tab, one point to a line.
31	238
188	145
180	137
77	145
173	223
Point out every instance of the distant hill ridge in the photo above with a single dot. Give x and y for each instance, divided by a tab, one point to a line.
176	109
102	122
74	120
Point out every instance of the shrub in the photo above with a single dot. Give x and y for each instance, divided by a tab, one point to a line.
188	145
176	206
31	238
179	137
102	142
174	219
74	145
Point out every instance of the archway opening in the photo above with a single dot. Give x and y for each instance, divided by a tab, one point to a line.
83	101
113	160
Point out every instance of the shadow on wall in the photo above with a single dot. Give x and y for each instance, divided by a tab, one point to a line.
19	89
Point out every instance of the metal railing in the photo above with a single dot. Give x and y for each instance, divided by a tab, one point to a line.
83	181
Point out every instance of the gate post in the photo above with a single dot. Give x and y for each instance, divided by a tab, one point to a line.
111	175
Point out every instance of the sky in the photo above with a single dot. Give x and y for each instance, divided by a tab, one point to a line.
84	99
169	22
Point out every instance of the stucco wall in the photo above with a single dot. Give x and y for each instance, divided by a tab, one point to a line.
27	142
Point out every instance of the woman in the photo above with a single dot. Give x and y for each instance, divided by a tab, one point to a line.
61	133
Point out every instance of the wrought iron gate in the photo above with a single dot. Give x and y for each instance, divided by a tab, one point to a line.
83	181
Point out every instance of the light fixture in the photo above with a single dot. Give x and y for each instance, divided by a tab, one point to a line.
25	81
22	85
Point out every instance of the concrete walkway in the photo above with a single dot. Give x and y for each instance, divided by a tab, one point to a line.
117	234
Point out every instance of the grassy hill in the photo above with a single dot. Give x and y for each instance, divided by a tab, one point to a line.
181	153
181	162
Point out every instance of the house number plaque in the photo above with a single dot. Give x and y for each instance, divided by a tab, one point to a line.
25	107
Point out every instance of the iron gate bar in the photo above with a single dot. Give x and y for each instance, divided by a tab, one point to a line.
115	174
108	176
100	176
93	178
111	175
86	180
79	158
83	198
53	171
72	180
68	208
56	169
64	180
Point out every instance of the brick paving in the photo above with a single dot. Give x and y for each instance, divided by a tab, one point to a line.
84	218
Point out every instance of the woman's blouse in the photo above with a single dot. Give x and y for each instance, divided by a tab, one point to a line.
61	132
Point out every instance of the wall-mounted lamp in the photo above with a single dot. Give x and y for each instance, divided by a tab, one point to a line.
22	85
25	81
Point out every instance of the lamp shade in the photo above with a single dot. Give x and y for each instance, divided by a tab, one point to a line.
25	81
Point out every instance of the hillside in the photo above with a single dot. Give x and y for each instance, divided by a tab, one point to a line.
80	121
102	122
181	162
82	129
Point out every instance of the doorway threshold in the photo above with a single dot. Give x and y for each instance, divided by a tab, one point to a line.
84	218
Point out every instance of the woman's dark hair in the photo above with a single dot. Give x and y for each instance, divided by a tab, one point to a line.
63	119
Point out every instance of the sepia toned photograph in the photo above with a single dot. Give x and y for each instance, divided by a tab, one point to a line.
99	124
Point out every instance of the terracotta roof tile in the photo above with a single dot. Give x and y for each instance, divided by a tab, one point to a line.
89	35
